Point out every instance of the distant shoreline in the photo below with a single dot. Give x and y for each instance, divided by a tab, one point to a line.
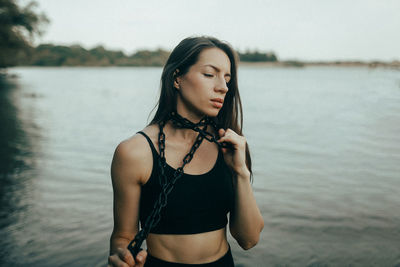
279	64
299	64
282	64
76	55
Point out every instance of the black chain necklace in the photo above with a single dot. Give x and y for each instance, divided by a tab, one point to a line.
185	123
168	184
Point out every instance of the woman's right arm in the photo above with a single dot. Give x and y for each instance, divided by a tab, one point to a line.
128	168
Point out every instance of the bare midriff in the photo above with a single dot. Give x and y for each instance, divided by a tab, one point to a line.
194	248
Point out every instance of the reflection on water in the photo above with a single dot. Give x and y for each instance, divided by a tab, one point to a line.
17	170
325	145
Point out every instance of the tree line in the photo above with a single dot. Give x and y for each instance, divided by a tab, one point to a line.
19	25
76	55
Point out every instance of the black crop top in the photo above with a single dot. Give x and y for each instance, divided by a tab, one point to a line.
197	203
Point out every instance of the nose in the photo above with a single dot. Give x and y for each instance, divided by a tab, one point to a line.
221	86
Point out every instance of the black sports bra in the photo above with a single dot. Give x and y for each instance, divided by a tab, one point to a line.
197	204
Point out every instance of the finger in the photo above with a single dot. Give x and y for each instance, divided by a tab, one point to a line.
141	258
227	138
221	132
126	256
235	142
231	135
115	260
111	259
231	132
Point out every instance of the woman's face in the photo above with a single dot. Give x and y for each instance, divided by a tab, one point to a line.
202	90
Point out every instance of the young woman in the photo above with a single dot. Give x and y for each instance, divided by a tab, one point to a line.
198	124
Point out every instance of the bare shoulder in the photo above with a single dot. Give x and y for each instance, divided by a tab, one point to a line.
132	160
152	132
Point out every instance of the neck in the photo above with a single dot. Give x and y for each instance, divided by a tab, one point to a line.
181	133
183	127
191	117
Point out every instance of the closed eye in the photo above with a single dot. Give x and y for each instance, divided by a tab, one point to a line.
212	75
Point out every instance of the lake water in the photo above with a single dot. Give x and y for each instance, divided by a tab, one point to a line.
325	144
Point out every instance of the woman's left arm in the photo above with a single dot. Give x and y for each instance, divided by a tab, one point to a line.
246	221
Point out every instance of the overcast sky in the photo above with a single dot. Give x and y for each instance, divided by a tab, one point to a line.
293	29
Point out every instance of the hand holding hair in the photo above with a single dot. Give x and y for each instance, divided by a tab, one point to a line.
235	151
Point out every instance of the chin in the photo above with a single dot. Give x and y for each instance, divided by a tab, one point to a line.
212	113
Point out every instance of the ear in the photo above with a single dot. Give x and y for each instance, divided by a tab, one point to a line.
176	84
176	79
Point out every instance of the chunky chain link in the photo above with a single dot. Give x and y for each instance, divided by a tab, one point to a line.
166	184
185	123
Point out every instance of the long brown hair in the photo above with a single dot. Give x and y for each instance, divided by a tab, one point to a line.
186	54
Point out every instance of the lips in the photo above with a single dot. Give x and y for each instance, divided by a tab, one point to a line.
217	102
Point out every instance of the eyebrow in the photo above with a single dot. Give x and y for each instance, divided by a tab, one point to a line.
217	69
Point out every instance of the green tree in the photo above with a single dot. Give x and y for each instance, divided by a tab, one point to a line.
18	27
75	55
258	56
